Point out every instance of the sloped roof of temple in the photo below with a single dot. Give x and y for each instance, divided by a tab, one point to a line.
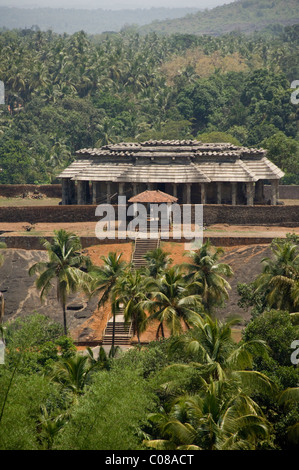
176	161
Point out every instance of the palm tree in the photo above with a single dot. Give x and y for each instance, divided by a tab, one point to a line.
103	361
2	303
207	275
172	304
157	261
49	426
72	373
280	277
103	281
217	356
2	246
220	417
288	399
66	265
130	290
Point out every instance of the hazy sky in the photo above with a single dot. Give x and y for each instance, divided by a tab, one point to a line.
113	4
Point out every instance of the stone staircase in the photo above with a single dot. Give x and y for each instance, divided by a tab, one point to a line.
142	246
122	334
123	331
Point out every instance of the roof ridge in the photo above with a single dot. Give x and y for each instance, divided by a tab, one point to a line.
245	167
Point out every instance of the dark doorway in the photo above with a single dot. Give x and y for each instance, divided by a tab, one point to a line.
161	187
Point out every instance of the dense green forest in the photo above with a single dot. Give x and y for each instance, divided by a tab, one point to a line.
66	92
242	15
198	389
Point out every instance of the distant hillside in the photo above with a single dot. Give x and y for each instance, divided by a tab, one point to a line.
244	15
97	21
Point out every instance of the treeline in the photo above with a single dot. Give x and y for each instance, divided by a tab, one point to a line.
66	92
245	16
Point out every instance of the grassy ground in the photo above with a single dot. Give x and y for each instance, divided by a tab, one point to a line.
27	201
47	201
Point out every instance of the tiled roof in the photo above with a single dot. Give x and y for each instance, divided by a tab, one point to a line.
153	196
176	161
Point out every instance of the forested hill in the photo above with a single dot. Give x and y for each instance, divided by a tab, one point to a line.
244	15
66	92
91	21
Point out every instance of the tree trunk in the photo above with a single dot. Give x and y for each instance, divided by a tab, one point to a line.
1	307
64	319
113	330
160	328
138	337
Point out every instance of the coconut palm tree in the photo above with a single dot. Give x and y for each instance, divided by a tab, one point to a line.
207	275
288	399
72	373
172	304
2	303
220	417
221	414
66	265
103	282
157	261
217	356
2	246
50	426
130	290
280	277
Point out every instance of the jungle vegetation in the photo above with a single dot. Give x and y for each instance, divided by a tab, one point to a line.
194	388
66	92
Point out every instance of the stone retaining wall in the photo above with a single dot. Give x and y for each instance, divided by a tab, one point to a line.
33	242
286	191
213	214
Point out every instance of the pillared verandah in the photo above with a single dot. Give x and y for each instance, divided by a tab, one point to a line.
189	170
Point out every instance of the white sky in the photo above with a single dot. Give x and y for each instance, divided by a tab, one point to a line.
113	4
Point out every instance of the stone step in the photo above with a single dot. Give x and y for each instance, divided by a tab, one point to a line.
107	337
118	326
118	331
142	246
107	341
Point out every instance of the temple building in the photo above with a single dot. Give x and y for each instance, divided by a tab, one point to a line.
191	171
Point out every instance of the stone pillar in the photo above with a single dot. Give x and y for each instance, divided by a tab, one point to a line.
134	189
108	191
259	192
72	192
96	192
65	191
121	189
188	193
274	192
234	194
203	193
81	193
219	193
174	190
249	193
